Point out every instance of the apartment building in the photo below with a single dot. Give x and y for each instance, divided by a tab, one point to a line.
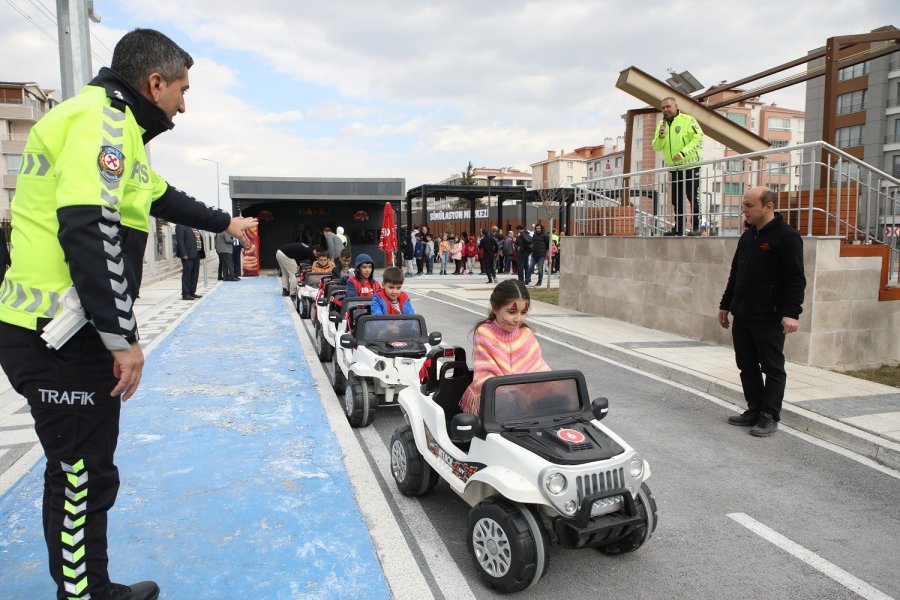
564	169
21	106
866	101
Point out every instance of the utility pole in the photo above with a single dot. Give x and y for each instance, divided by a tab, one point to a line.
74	43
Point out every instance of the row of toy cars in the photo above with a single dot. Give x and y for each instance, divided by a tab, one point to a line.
536	465
373	356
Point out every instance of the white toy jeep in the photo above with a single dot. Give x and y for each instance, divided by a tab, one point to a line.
536	465
379	358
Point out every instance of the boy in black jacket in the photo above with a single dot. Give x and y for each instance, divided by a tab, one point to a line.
765	294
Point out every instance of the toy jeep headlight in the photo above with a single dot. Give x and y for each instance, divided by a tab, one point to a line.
556	483
636	467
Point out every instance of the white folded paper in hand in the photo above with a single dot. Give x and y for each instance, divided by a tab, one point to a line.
67	323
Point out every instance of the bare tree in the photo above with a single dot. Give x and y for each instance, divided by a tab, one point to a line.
550	197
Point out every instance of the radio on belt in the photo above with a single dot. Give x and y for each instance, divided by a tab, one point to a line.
67	323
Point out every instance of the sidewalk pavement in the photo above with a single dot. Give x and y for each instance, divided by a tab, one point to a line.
229	411
853	413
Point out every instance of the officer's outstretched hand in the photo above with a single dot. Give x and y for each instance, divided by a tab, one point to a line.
127	366
239	224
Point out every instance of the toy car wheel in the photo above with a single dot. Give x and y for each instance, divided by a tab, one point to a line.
323	349
304	308
413	475
359	402
646	507
339	382
507	543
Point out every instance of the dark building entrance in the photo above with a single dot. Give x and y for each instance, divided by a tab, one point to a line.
298	209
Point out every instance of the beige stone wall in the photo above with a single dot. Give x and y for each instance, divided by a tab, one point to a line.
675	284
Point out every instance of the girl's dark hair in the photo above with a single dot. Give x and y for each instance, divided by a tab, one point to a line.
505	292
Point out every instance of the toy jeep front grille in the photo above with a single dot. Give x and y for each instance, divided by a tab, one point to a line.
599	481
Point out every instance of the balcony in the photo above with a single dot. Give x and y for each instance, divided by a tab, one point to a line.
19	111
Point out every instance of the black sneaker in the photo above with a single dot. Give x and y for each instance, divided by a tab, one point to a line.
745	419
284	292
187	297
765	427
145	590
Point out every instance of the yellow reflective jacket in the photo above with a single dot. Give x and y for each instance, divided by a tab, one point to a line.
684	136
80	214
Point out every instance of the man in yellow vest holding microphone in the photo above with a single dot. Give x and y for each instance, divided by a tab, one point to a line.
679	138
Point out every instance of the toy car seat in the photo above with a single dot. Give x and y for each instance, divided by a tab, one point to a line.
450	387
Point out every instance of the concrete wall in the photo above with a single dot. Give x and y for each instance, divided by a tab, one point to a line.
675	284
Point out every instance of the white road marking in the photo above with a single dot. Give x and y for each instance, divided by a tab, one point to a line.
811	558
706	396
447	575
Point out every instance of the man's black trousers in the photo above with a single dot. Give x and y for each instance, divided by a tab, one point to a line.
77	423
190	273
686	183
758	350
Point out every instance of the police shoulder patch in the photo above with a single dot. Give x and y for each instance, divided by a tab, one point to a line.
111	162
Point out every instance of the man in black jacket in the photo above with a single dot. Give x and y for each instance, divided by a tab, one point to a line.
540	244
765	294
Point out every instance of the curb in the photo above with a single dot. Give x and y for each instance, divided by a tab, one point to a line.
856	440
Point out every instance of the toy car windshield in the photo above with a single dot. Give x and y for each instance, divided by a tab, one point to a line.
393	330
536	400
312	279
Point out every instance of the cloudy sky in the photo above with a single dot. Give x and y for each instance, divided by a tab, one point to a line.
295	88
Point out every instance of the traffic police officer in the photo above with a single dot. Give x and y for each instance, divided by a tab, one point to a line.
679	138
80	220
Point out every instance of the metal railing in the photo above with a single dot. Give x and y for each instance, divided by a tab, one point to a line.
822	191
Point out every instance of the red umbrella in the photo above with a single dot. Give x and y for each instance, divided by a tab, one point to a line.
388	241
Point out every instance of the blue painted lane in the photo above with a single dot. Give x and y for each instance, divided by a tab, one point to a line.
232	481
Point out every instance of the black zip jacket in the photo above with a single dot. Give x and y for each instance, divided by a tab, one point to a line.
766	281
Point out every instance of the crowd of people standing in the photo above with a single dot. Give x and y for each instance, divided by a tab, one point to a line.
518	252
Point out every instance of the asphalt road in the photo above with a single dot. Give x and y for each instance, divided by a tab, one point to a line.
739	517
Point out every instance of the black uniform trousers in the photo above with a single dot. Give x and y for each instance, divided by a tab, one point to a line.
758	350
77	423
686	183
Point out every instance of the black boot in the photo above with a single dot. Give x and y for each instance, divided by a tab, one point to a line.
746	419
145	590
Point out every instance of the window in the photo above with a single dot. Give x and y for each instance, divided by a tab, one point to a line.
717	187
847	137
896	171
778	143
854	71
619	158
639	165
13	163
569	164
734	188
569	179
779	124
776	187
735	166
638	125
638	145
739	118
852	102
778	168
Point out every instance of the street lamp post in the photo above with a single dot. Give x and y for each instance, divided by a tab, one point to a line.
490	178
215	162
